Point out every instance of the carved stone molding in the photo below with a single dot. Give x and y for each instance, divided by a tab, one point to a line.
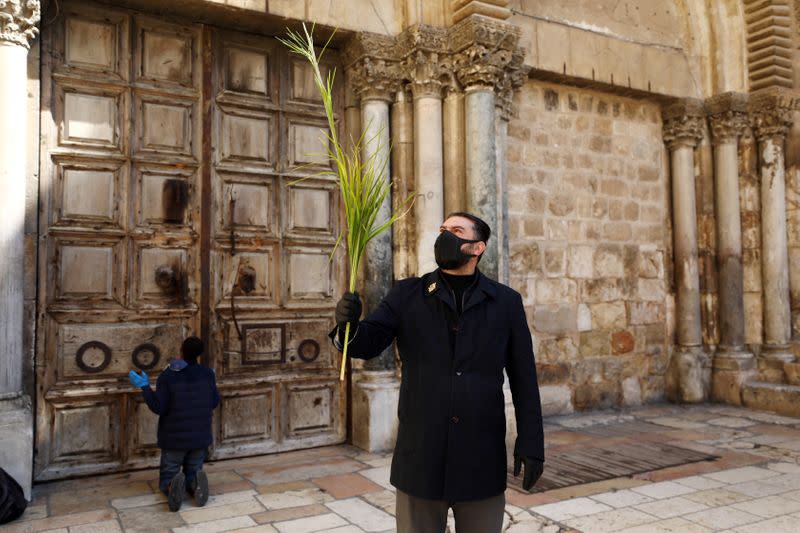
771	112
18	20
683	123
727	115
483	49
497	9
373	70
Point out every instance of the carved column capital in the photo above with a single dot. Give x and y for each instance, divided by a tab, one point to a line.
18	20
727	115
683	123
483	49
771	112
425	59
373	71
513	78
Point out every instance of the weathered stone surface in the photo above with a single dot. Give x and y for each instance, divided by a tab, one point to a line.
555	261
552	373
594	343
646	312
556	290
596	396
556	400
608	315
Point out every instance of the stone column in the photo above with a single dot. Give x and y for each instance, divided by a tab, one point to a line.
17	29
424	50
405	262
454	146
732	363
689	372
378	262
484	48
428	172
373	76
771	118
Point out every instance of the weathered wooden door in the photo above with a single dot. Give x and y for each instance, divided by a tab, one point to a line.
168	206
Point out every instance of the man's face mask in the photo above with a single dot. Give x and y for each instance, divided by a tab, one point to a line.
447	251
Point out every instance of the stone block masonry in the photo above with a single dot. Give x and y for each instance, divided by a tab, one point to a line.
589	243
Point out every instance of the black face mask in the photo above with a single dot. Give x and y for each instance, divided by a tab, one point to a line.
447	250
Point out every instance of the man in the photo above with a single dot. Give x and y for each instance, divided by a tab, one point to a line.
456	331
185	397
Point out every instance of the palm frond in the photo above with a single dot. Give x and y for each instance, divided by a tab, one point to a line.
361	179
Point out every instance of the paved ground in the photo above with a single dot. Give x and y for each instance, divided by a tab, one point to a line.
753	487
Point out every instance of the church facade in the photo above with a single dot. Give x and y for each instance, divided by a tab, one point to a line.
160	176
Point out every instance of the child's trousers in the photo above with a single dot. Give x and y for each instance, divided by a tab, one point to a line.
171	462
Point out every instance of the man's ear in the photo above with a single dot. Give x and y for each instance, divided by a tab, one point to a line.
480	247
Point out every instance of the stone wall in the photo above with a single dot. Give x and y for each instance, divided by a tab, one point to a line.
589	243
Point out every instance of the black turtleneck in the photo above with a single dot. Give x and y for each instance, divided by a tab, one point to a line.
459	284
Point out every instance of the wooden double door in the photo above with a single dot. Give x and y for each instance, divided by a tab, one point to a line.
171	204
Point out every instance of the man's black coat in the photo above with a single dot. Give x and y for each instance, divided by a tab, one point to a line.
451	438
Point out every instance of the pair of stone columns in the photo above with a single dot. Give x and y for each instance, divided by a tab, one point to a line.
770	115
17	29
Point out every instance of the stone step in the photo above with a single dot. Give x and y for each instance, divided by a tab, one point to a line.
777	397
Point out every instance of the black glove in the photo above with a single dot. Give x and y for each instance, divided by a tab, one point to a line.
348	310
533	470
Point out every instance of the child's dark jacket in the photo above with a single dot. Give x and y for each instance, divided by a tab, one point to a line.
185	396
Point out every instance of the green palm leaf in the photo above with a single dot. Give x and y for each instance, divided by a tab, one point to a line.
361	182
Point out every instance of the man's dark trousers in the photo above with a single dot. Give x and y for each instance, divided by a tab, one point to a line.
173	460
417	515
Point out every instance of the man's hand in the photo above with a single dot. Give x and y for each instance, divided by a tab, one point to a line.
533	470
137	380
348	310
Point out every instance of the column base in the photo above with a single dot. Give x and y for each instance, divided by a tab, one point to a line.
690	374
16	441
375	397
772	360
732	368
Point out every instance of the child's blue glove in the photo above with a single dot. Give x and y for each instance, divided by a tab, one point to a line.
137	380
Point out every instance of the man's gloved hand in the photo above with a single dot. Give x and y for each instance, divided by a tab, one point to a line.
533	470
348	310
137	380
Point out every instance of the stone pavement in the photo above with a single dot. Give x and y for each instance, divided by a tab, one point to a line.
753	487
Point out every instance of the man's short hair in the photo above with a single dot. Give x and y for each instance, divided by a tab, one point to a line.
482	229
191	349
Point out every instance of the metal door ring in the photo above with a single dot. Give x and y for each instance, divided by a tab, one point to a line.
97	345
308	350
142	349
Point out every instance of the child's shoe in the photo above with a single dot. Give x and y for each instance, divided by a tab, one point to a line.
177	488
200	488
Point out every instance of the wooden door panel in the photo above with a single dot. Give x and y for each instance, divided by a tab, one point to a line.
311	410
81	348
165	198
310	275
262	264
91	117
166	54
312	210
88	193
307	143
165	126
247	416
88	271
247	138
252	205
84	433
